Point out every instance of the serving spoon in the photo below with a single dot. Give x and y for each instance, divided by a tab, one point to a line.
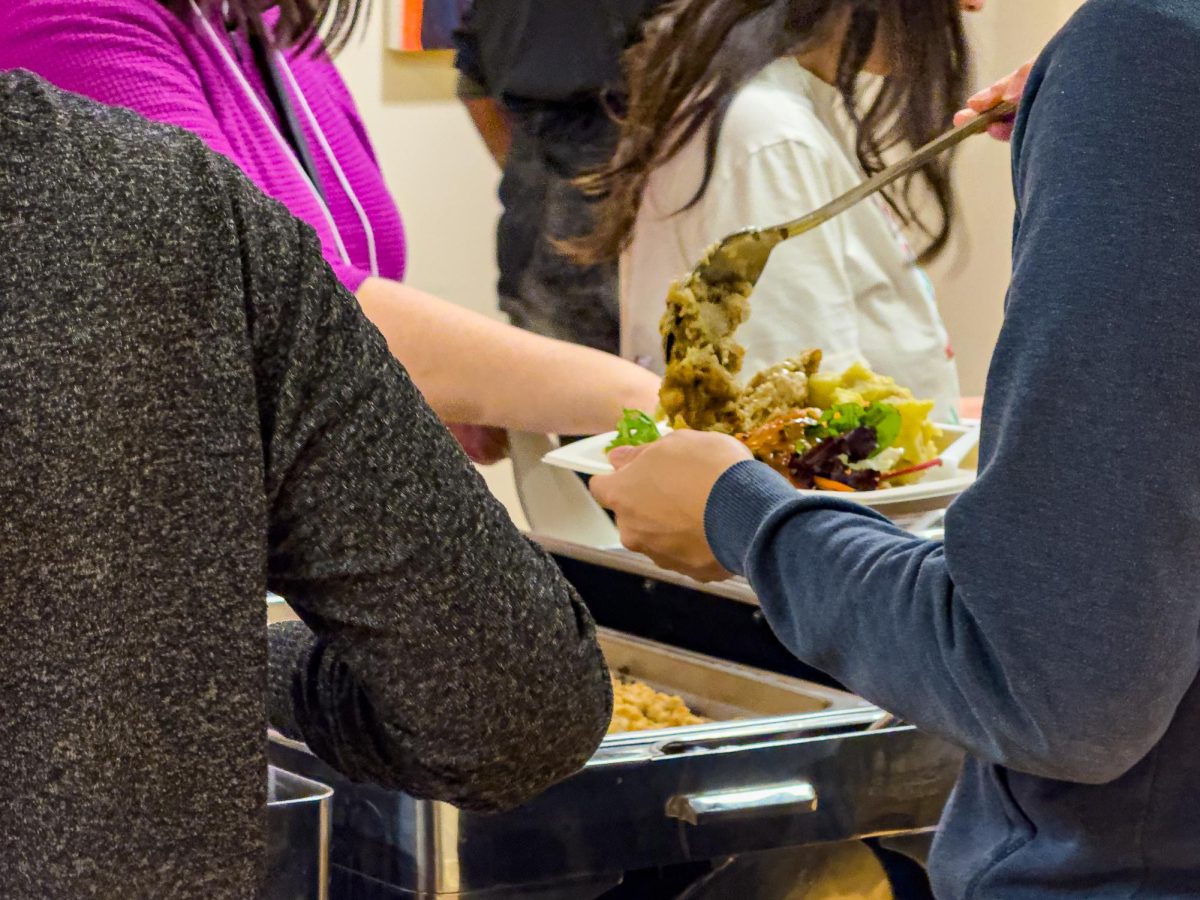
741	257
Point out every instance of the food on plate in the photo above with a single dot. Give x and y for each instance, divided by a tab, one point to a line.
634	429
700	386
781	387
850	431
638	707
918	435
853	431
862	432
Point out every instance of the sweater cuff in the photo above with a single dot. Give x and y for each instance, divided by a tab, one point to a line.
289	644
740	502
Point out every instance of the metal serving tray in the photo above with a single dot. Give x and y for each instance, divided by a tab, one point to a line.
298	837
790	763
791	760
715	689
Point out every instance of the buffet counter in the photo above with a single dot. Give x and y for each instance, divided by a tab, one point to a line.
784	762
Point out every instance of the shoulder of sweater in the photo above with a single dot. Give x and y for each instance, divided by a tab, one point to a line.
1095	82
77	14
1118	19
1098	60
120	155
33	105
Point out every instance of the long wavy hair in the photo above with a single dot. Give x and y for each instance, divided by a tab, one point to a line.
695	55
300	21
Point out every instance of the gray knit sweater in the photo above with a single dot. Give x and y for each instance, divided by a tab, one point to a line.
192	411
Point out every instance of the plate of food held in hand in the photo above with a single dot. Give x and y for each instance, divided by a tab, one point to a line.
855	435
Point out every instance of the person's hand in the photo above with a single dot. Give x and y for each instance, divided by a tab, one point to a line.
1005	90
484	445
659	492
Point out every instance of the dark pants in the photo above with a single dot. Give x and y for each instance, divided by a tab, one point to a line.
540	289
903	860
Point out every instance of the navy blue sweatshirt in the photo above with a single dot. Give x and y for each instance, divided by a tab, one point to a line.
1055	633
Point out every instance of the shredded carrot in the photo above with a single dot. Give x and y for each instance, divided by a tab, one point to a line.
828	484
772	434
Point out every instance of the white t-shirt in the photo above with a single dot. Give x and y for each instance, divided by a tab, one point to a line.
852	287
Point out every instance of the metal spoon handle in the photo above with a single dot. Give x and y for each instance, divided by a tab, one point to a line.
878	182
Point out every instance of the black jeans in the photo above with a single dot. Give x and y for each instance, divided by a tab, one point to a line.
541	290
903	860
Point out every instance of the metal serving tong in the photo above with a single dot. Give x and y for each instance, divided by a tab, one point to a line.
742	256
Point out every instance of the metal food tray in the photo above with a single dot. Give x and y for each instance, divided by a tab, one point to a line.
298	835
786	763
720	691
796	764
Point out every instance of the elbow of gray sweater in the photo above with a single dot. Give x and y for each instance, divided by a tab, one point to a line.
484	751
502	761
1094	745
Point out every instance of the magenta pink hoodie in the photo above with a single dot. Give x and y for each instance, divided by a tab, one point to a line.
181	71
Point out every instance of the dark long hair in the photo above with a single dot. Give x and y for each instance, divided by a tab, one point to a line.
696	54
300	21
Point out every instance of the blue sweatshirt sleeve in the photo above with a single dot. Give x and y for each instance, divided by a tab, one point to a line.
1056	630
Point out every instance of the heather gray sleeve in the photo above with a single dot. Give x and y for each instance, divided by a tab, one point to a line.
1055	632
443	654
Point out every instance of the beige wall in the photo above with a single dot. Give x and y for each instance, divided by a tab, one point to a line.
442	178
973	276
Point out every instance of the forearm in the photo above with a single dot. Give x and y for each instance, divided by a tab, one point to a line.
314	697
428	611
1002	666
475	370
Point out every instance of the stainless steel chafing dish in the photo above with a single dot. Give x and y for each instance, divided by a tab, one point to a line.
788	763
298	834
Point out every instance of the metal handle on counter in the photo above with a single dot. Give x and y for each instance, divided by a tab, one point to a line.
704	809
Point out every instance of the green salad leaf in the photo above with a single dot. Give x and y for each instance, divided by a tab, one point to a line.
836	421
634	429
843	418
886	421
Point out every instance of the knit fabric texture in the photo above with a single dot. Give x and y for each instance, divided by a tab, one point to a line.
192	411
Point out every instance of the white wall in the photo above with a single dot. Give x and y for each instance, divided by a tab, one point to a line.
439	172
